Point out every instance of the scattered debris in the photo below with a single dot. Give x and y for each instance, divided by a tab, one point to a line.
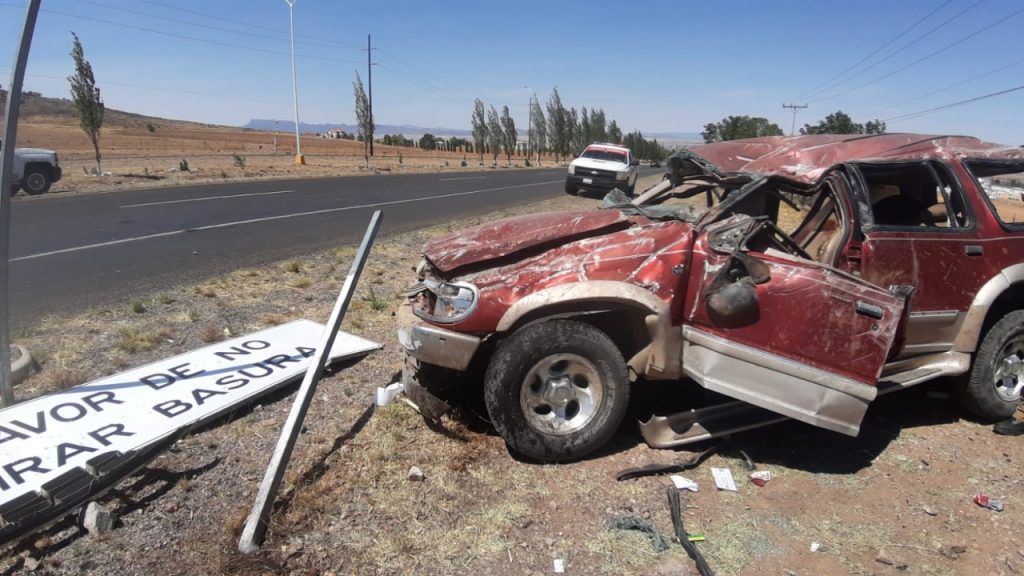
1009	428
631	522
294	547
559	566
695	536
929	510
952	551
416	475
748	462
884	558
30	564
761	477
97	520
703	568
723	479
815	546
385	394
692	461
985	502
683	483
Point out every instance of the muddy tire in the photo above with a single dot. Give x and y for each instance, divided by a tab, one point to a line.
557	390
570	189
992	389
36	182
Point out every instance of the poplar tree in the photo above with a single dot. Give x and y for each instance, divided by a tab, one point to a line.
86	97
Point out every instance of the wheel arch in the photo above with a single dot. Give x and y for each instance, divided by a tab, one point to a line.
1002	294
38	166
635	319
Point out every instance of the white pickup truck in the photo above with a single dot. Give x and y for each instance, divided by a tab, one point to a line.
35	169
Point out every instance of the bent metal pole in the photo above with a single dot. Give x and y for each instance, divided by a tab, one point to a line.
256	525
6	183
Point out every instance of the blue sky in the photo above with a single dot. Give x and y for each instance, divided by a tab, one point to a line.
653	66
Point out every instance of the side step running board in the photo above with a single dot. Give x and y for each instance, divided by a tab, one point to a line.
705	423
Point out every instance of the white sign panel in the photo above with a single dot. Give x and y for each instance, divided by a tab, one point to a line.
46	437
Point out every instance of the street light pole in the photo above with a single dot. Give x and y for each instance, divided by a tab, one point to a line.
299	158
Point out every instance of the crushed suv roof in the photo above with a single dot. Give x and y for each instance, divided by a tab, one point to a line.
805	158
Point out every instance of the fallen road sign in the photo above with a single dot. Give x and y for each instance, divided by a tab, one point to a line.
58	451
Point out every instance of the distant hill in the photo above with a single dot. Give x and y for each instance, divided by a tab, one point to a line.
35	104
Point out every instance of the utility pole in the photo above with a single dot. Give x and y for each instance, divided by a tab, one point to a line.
369	82
795	107
6	175
299	158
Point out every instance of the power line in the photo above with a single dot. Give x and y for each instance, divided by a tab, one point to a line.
927	56
328	41
182	36
828	83
960	83
920	113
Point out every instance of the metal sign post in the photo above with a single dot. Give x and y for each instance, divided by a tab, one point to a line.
6	183
259	517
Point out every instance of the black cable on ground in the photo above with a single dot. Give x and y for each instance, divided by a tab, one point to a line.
677	522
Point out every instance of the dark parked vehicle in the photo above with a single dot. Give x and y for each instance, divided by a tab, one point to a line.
800	275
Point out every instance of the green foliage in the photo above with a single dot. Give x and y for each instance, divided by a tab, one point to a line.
428	141
539	126
614	132
183	166
479	127
840	122
86	97
397	140
239	161
644	148
558	132
494	135
137	306
150	128
737	127
363	120
509	133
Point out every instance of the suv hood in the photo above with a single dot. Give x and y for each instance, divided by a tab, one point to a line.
43	151
499	239
598	163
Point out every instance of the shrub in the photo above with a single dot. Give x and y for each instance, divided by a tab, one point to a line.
183	166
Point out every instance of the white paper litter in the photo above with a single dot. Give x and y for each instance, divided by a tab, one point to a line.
682	483
386	394
559	566
723	479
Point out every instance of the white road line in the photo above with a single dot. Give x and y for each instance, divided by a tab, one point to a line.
207	198
270	218
463	178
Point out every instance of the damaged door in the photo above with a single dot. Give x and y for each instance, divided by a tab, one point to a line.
769	326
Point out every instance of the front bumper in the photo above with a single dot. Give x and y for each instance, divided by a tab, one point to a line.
432	345
596	184
56	174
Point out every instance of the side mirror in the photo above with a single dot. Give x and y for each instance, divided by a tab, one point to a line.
634	162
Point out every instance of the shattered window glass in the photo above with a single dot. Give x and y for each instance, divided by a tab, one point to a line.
1002	183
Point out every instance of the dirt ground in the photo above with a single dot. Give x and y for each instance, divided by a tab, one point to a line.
895	500
135	157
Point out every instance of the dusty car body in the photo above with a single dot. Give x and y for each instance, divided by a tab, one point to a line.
802	276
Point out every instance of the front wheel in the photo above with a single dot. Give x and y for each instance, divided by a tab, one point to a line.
556	390
570	189
36	182
993	388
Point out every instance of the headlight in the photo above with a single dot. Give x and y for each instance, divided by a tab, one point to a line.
572	169
622	175
444	302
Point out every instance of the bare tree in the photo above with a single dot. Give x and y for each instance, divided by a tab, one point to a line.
494	136
479	128
540	126
86	97
509	134
364	123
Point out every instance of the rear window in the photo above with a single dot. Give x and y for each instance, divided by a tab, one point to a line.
604	154
1002	185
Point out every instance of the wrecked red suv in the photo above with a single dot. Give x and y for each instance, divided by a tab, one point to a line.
801	276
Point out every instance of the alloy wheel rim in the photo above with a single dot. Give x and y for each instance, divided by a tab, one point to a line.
561	394
1008	377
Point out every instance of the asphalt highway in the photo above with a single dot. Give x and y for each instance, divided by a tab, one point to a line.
69	253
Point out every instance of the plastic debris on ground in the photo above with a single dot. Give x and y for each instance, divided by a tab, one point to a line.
985	502
761	477
631	522
815	546
559	566
683	483
385	394
723	479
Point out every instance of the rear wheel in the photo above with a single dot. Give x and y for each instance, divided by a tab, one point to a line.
993	387
557	390
36	181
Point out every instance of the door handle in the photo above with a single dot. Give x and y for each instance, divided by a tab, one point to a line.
868	309
974	249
